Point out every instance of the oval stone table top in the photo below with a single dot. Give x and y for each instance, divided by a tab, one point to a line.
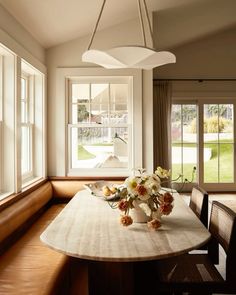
89	228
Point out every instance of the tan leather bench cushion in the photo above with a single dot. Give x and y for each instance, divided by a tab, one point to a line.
15	215
67	188
29	267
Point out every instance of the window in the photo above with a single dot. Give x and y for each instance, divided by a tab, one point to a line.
203	136
32	124
26	128
7	123
100	125
218	143
184	140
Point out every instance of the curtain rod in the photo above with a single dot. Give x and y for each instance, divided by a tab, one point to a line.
199	80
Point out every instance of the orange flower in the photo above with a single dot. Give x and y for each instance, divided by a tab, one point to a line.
126	220
141	190
123	205
166	198
154	224
166	208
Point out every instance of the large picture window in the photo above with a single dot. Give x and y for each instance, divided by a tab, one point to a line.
100	116
203	136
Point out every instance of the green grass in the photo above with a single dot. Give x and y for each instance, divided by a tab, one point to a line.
101	144
83	154
211	166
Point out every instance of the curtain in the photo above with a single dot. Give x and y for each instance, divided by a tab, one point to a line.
162	92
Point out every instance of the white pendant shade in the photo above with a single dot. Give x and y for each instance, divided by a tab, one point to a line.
129	57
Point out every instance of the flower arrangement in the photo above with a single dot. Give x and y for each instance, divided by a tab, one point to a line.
145	193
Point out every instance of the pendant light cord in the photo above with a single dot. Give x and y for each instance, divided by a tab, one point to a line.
149	23
140	19
141	22
96	25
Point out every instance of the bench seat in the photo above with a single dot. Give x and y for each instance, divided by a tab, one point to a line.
29	267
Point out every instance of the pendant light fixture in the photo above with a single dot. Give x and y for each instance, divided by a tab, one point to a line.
129	56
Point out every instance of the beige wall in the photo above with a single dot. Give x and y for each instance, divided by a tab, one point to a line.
213	56
69	55
15	37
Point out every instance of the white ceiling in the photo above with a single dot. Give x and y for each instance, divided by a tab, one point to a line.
52	22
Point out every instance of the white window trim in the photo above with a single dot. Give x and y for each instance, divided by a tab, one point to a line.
63	74
36	123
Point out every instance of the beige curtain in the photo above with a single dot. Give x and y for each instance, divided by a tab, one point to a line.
162	93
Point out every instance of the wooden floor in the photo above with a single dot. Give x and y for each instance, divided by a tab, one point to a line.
224	198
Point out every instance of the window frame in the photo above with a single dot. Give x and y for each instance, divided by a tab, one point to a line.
200	100
29	100
60	106
129	125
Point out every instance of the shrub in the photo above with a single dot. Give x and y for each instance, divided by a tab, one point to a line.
211	125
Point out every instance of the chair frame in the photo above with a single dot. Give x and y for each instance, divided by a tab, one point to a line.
227	286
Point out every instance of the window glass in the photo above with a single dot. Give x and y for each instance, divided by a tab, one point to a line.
184	140
218	143
101	136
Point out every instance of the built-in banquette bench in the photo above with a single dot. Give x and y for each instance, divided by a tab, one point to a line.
26	265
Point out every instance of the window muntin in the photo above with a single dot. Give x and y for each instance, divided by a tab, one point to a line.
100	134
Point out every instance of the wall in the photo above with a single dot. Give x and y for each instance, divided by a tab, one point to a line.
69	55
213	56
15	37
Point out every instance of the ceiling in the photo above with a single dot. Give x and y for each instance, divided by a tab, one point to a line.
52	22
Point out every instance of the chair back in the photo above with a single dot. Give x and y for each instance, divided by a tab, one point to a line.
223	229
199	204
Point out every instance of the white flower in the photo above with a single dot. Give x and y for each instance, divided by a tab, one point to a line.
153	185
131	183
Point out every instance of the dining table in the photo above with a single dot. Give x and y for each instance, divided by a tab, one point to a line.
119	259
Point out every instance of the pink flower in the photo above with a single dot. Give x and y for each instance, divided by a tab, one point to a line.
154	224
126	220
165	208
123	205
166	198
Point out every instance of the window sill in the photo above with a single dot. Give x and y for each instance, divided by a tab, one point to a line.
10	199
30	181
